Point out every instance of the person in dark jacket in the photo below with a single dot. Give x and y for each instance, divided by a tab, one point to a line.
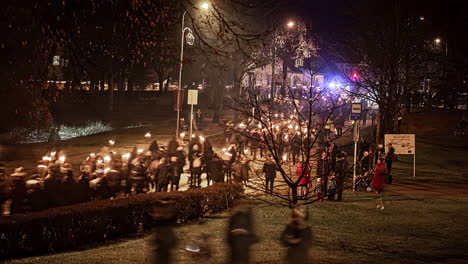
164	175
388	163
52	187
164	240
323	171
297	237
333	150
175	173
18	190
363	147
214	169
172	146
240	235
154	147
295	147
269	168
341	168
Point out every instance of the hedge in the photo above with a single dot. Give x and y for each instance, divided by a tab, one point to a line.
68	227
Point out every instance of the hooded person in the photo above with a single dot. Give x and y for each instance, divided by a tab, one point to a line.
297	237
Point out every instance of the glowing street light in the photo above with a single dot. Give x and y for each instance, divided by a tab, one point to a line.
205	6
190	39
290	24
437	40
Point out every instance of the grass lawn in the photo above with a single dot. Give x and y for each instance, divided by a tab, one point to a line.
412	229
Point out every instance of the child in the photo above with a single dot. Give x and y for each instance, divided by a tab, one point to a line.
331	188
319	190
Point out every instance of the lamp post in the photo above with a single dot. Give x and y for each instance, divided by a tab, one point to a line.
437	43
289	25
190	39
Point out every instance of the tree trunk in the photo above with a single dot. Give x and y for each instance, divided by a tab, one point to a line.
294	197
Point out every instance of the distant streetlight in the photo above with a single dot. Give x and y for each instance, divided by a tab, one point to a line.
289	25
438	41
205	6
190	38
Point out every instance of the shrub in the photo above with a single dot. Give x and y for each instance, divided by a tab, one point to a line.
68	227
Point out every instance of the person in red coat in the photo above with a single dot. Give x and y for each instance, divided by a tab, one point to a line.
379	180
304	171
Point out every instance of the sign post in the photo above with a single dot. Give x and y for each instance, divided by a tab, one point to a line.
403	144
178	103
192	100
355	115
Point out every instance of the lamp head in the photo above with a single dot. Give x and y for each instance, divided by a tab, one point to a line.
205	6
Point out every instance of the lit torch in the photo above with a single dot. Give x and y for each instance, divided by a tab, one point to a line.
111	142
62	159
147	135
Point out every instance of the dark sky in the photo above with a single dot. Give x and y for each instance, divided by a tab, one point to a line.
334	19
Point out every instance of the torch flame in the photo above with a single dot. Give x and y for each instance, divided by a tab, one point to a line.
147	135
111	142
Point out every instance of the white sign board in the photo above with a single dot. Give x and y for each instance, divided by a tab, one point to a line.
192	97
402	143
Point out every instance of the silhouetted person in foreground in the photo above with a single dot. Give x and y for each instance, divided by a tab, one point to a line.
297	237
164	215
240	233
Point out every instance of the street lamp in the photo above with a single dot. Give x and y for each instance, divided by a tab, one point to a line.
438	41
190	40
290	24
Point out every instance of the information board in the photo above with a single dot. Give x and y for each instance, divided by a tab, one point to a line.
192	97
402	143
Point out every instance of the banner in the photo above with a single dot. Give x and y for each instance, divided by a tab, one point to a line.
402	143
178	100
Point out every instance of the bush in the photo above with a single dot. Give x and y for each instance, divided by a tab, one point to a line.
72	226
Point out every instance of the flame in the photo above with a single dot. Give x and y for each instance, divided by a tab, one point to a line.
53	153
285	157
92	155
147	135
224	149
139	151
259	125
182	134
111	142
62	159
46	158
107	158
290	126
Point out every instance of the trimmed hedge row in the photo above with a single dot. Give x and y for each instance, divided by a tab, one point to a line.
76	225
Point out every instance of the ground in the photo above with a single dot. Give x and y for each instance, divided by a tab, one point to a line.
424	220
